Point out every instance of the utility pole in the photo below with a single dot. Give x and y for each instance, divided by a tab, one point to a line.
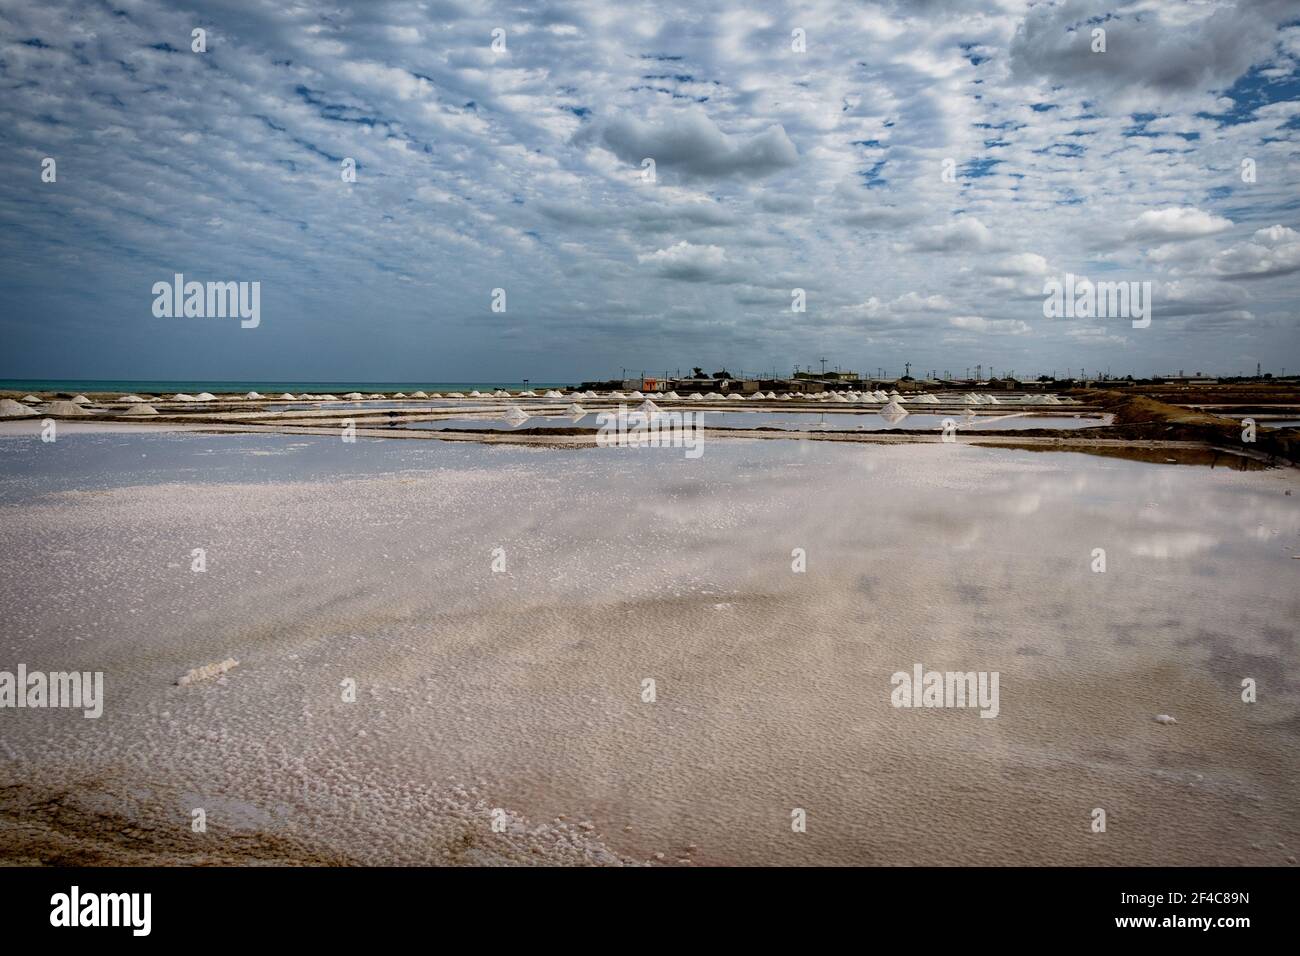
823	361
907	369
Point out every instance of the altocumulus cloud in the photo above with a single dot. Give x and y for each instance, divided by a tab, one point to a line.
919	169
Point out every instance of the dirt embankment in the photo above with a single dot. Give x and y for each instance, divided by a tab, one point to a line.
1139	417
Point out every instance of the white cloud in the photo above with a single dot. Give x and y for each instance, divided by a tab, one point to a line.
1176	223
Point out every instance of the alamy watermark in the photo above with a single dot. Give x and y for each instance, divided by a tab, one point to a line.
651	429
38	689
212	300
1081	298
950	689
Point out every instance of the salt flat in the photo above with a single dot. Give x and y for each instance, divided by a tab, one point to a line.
523	689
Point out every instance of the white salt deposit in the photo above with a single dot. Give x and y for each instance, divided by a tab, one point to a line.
131	398
435	395
66	410
82	400
11	409
286	397
617	395
400	395
474	394
422	395
455	394
205	397
574	410
757	396
648	407
695	397
636	395
253	395
140	411
893	411
552	393
354	397
206	672
1165	719
182	397
589	394
375	395
673	396
837	397
735	397
30	399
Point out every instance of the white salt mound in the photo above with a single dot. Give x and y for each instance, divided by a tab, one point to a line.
205	397
249	395
11	409
206	671
435	395
734	397
422	395
1165	719
66	410
130	398
375	395
400	395
286	397
648	407
636	395
140	411
553	394
695	397
575	410
757	396
354	396
455	394
31	399
837	397
474	394
893	410
674	396
82	400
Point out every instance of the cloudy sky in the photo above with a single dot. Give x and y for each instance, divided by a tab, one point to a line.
522	169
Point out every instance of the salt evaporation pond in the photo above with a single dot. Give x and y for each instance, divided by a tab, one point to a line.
522	688
789	421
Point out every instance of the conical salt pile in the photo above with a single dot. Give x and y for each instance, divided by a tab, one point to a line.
695	397
140	411
893	411
286	397
131	398
31	399
837	397
354	397
205	397
400	395
734	397
422	395
455	394
11	409
552	394
66	410
82	400
253	395
648	407
1051	400
575	410
673	396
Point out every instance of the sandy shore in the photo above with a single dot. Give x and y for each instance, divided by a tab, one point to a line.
522	690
